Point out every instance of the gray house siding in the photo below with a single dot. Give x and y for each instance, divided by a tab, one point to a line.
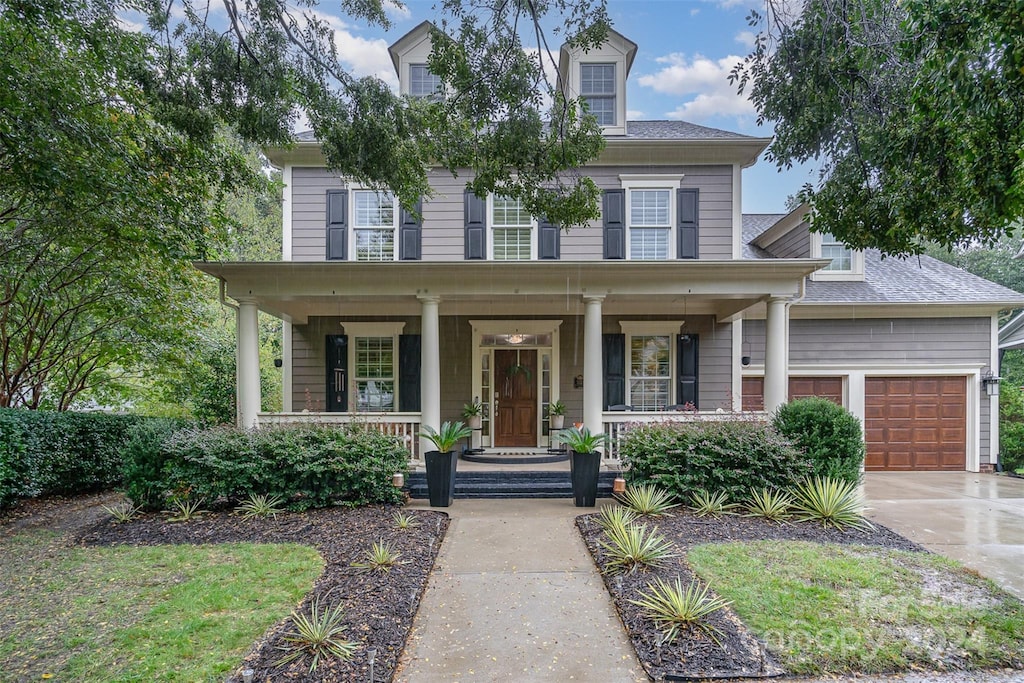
795	244
443	218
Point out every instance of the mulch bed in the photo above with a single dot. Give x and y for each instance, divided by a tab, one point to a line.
378	606
694	655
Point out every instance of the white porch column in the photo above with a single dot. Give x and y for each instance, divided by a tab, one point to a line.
248	367
430	367
776	355
593	372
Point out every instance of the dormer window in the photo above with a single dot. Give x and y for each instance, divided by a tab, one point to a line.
422	83
841	255
847	264
597	89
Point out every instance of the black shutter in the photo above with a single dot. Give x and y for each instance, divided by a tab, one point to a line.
476	226
613	347
337	373
337	224
410	234
614	213
409	373
689	219
549	241
686	387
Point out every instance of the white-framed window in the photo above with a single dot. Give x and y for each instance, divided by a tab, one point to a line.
597	90
841	255
846	263
374	217
650	363
422	83
373	359
512	229
650	215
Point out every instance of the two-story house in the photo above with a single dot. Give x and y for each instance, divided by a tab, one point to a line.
673	298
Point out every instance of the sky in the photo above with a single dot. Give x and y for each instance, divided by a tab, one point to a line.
686	50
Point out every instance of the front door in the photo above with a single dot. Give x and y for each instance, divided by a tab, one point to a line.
515	397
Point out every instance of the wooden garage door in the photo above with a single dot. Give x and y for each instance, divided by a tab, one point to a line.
915	423
799	387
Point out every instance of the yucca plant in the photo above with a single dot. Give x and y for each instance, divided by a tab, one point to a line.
833	502
381	557
187	508
122	512
633	547
706	504
769	503
647	499
260	505
320	635
405	520
444	439
615	517
673	607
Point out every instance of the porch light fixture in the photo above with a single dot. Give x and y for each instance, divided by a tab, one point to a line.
516	338
990	381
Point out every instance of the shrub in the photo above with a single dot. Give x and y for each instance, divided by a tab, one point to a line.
145	481
633	547
306	465
647	500
833	502
674	608
730	456
1011	427
829	434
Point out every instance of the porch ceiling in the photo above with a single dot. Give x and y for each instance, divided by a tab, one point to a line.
295	291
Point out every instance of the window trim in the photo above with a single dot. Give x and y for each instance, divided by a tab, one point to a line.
665	181
396	210
490	233
854	274
355	330
651	328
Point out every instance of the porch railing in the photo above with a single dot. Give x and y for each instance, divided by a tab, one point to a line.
406	426
617	424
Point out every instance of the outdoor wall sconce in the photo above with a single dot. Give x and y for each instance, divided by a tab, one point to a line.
577	382
619	485
745	358
398	480
990	381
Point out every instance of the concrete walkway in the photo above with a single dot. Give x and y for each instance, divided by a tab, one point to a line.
516	597
977	519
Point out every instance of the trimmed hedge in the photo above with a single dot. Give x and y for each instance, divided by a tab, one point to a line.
61	452
734	456
829	434
306	465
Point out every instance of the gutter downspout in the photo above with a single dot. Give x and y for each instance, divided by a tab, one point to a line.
222	297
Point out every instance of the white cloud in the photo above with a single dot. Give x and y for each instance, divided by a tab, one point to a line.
361	56
746	39
704	81
397	11
634	115
695	11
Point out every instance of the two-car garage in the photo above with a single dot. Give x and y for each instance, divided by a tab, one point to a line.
910	423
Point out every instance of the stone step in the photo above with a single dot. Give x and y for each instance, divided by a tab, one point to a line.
510	485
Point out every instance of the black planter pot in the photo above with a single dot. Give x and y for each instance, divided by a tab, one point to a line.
583	470
441	477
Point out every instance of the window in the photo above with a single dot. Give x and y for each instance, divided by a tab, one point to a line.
374	225
512	227
841	255
650	371
649	223
375	374
597	89
422	83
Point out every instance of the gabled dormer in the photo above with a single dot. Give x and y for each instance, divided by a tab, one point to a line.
791	237
598	77
409	54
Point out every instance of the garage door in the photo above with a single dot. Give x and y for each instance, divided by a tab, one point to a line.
915	423
799	387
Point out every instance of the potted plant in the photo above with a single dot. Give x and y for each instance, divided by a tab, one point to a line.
473	414
584	463
441	463
556	411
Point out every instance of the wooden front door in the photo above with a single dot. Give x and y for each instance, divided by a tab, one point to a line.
515	397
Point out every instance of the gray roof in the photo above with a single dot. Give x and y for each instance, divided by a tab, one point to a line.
640	130
916	279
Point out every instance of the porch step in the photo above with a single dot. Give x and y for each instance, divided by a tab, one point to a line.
510	485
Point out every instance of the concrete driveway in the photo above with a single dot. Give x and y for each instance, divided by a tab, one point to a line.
977	519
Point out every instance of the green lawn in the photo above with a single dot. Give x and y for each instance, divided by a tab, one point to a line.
167	613
829	608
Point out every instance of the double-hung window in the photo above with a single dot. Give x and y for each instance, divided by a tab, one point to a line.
373	225
650	371
512	230
597	89
422	83
841	255
650	226
375	374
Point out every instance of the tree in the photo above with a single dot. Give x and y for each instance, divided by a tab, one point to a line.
914	109
118	150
